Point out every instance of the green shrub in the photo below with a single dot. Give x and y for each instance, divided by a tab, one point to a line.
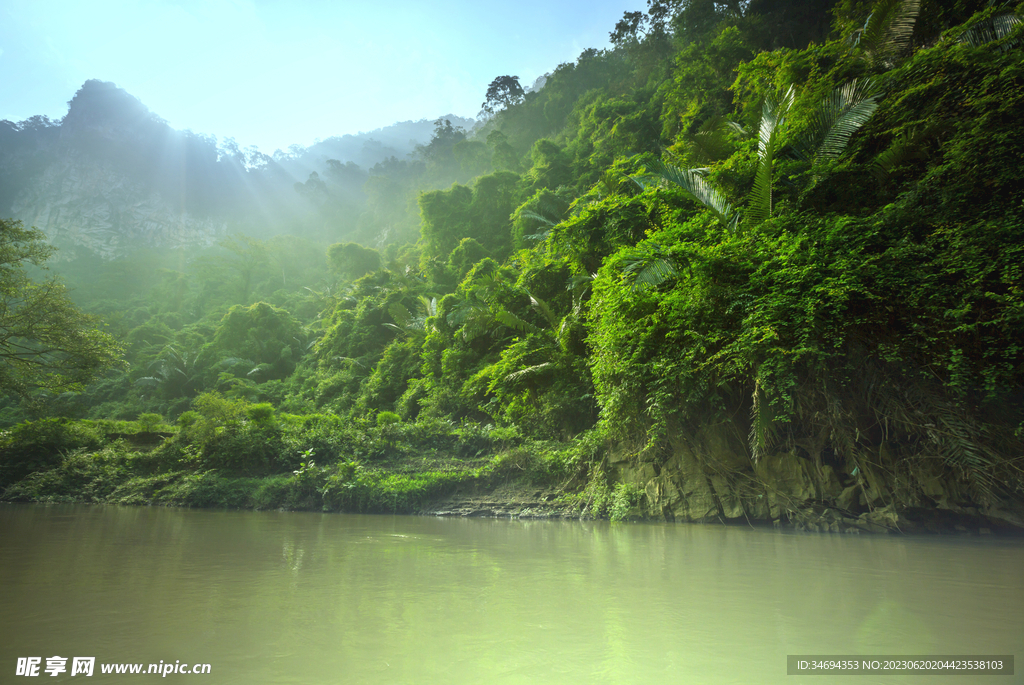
150	423
261	414
188	419
43	444
625	502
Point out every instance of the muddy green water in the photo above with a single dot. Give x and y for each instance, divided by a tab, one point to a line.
272	597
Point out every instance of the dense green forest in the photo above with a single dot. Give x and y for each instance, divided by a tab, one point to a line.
759	261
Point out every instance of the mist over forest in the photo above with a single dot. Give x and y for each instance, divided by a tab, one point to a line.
756	261
111	177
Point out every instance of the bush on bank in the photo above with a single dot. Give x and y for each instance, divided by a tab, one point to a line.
232	453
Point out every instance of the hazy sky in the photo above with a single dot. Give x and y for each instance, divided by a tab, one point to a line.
275	73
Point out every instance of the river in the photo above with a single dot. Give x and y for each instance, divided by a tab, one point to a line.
282	597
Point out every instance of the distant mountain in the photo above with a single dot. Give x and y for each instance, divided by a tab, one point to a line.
112	175
365	149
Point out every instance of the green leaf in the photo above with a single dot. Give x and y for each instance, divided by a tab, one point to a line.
711	142
510	320
888	30
696	188
542	307
654	268
837	117
762	432
769	141
400	315
992	29
528	371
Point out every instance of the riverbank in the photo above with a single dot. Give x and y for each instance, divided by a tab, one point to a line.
313	463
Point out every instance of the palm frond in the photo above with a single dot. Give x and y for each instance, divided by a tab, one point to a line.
260	368
542	307
655	267
429	306
905	147
769	141
762	433
466	310
993	29
350	360
538	236
837	117
510	320
650	272
400	314
472	317
950	432
579	285
538	217
888	30
541	219
231	362
528	371
711	142
695	186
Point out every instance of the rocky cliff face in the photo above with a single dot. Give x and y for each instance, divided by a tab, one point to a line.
109	177
92	205
708	477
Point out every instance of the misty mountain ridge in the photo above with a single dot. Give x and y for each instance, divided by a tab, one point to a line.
367	148
111	175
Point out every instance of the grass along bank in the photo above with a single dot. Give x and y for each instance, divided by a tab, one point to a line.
231	453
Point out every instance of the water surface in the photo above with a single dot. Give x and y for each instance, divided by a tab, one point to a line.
275	597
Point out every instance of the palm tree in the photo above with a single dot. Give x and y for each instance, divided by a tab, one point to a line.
409	324
177	373
994	28
836	118
885	36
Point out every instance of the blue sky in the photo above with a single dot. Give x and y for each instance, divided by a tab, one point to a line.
276	73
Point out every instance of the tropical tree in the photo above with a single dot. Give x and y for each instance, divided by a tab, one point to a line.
176	373
503	92
352	260
46	343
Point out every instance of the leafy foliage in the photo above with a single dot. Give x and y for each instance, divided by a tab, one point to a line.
46	343
504	91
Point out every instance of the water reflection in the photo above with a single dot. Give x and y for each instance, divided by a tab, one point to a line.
311	598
